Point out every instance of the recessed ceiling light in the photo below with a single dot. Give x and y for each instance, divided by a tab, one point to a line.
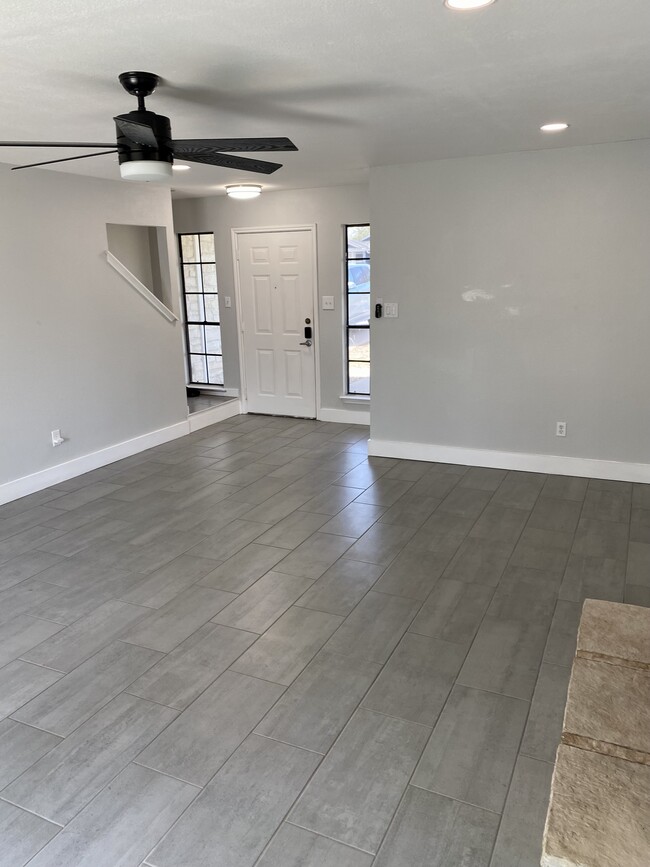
243	191
554	127
467	5
179	168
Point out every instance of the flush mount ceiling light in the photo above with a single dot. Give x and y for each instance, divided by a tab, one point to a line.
554	127
243	191
467	5
178	168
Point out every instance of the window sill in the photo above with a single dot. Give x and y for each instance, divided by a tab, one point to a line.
363	399
215	389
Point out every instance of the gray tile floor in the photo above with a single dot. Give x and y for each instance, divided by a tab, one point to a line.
256	646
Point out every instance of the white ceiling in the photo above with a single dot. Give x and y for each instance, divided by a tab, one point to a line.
353	84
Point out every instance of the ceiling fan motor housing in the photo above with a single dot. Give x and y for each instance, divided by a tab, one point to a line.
132	151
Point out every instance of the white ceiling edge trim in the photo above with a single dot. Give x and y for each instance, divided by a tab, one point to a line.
139	287
561	465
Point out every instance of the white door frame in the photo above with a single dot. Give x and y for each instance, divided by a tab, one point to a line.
254	230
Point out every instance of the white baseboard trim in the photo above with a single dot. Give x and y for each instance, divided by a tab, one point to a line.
17	488
344	416
560	465
206	417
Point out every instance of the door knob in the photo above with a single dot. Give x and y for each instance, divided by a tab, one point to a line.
306	343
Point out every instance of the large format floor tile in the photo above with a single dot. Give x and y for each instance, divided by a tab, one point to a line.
354	793
21	681
22	835
473	748
195	746
183	674
430	830
339	589
260	606
21	634
173	623
374	627
74	644
60	784
238	811
256	646
122	823
69	702
505	657
20	747
318	704
522	826
295	847
417	679
286	648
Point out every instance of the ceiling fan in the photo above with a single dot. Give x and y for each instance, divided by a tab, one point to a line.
145	146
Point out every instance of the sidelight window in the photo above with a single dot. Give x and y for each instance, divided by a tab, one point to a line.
201	300
357	295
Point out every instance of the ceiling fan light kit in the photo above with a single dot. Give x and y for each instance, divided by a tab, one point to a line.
145	147
145	170
243	191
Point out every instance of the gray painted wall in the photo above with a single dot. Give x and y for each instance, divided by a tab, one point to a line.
329	208
80	350
523	285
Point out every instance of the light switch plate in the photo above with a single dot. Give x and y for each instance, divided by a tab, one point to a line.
227	301
327	302
391	310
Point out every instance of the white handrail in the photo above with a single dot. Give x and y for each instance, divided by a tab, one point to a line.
139	286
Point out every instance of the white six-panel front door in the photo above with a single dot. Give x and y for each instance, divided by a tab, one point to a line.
276	295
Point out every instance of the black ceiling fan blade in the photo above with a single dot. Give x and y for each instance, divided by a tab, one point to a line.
64	160
228	162
141	133
57	144
233	145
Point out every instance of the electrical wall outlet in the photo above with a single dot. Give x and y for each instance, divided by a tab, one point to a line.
57	439
560	429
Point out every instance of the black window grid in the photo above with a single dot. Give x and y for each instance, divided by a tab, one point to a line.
200	293
348	327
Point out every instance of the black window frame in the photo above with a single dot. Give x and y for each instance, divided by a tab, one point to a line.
354	259
187	321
